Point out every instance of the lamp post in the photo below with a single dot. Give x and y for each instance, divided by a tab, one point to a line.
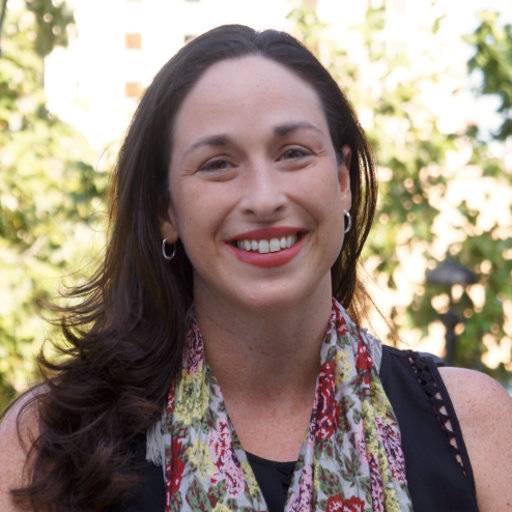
447	274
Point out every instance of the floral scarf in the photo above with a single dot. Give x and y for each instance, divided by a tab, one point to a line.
351	459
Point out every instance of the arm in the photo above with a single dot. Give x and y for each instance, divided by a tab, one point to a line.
484	411
13	454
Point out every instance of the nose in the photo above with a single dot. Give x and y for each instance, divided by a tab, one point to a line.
264	193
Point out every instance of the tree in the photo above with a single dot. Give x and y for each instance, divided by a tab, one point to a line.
492	41
51	199
427	210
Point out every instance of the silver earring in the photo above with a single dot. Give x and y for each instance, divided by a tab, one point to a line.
348	221
164	250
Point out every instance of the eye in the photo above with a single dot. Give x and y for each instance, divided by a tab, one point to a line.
294	153
216	164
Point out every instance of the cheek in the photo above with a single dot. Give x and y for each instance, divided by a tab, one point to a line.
323	199
199	213
322	195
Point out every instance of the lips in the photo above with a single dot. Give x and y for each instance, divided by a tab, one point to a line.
267	247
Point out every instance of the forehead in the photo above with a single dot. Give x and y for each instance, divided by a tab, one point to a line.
243	94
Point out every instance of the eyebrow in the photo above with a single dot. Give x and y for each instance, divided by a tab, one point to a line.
285	129
281	130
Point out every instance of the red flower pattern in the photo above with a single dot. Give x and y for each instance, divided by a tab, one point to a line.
364	362
327	409
175	468
341	324
339	504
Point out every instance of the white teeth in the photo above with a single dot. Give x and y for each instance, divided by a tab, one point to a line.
266	246
263	246
275	245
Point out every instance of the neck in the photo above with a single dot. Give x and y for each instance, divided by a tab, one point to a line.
264	354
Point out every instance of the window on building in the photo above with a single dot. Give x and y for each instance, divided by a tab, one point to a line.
132	41
133	90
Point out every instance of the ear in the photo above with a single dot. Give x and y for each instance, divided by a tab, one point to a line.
168	226
344	175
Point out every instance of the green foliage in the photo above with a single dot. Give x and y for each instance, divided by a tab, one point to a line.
52	24
411	152
492	42
51	199
52	204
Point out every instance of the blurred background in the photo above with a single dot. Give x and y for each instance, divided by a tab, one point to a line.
431	81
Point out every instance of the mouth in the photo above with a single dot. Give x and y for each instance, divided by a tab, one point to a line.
271	243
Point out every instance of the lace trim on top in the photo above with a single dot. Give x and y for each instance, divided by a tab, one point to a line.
431	388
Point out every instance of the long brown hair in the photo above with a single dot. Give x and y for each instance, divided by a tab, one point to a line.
125	335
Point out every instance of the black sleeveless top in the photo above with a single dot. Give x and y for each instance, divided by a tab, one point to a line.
438	470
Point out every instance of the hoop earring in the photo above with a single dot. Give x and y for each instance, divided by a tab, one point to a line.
166	256
348	221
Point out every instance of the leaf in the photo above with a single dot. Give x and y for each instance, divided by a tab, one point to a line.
197	498
217	493
329	482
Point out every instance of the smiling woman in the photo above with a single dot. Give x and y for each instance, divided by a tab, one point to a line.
258	157
216	360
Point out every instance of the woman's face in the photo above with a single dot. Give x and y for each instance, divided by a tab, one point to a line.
257	195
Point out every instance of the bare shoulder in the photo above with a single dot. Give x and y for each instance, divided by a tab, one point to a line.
19	428
484	411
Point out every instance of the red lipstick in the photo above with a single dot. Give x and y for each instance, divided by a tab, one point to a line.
270	259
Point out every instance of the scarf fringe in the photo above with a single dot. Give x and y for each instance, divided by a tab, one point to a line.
155	444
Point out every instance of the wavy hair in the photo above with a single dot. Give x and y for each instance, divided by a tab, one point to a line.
125	333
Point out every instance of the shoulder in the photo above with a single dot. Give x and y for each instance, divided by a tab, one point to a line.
19	428
484	411
475	391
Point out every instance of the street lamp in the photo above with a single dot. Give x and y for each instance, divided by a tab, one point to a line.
447	274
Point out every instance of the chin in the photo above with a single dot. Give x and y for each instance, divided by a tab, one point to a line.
266	296
282	296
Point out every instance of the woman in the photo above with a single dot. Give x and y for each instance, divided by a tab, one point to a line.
242	198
